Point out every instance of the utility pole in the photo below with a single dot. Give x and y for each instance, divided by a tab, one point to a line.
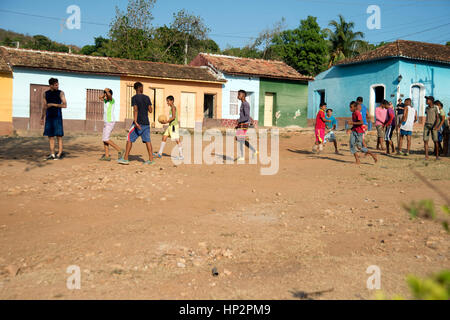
186	44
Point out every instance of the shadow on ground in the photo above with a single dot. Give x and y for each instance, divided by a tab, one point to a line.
33	150
302	295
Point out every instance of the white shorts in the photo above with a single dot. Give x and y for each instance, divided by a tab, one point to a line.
107	129
330	137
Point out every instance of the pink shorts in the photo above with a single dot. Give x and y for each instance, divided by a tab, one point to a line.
320	135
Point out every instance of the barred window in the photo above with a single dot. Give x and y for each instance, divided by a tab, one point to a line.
234	103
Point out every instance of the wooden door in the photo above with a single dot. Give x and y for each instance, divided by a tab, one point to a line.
158	106
187	111
268	110
94	110
36	103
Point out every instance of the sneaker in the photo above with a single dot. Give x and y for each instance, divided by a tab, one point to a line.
120	154
181	158
157	155
149	162
51	157
240	159
255	154
406	154
123	161
105	158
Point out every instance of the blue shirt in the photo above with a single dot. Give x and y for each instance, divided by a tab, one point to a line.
332	123
364	113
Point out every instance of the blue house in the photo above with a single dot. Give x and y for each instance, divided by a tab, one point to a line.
401	69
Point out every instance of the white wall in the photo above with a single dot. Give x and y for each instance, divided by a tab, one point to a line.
74	86
236	83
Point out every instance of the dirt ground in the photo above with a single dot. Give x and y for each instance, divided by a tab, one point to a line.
156	232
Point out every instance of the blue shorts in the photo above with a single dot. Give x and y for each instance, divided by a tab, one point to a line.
135	133
54	127
405	133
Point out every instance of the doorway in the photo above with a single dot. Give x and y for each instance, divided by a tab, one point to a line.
36	102
268	109
187	112
377	95
418	98
158	104
209	106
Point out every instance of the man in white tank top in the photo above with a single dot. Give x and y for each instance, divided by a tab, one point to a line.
406	126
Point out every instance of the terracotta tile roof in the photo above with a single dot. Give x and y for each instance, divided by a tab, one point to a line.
4	67
405	49
58	61
102	65
251	67
166	70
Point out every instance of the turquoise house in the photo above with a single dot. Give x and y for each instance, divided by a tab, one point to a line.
401	69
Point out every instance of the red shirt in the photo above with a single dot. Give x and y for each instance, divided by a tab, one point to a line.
320	123
357	117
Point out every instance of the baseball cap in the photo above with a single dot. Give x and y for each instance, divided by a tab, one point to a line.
429	97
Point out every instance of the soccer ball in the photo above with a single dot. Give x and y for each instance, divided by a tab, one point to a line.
162	118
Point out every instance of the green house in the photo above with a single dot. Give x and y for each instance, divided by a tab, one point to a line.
283	102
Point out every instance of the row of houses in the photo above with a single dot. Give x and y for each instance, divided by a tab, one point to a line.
206	90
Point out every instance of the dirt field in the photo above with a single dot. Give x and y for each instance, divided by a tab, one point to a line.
156	232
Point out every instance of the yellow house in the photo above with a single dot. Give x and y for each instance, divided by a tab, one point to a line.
197	91
6	90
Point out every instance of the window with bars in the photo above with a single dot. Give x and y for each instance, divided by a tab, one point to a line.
234	103
94	106
129	108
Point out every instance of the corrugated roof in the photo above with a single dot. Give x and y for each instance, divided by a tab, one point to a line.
246	66
69	62
404	49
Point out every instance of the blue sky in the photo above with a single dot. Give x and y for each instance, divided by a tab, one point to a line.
235	22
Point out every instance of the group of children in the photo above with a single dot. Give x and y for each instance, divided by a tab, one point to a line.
54	101
142	106
387	121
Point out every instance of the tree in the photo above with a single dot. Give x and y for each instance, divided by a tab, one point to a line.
188	26
343	40
448	43
100	48
245	52
303	48
131	31
265	39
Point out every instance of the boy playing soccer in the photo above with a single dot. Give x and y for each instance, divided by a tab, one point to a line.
141	125
173	131
331	127
356	133
109	122
320	128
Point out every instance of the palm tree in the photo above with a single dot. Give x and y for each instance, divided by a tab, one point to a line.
344	41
